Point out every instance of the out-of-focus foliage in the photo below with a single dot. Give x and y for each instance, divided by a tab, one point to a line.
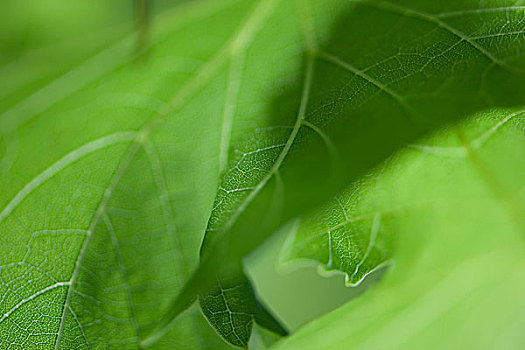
90	255
457	204
111	157
366	90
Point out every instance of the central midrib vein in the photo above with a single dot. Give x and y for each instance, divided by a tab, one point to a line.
311	49
287	146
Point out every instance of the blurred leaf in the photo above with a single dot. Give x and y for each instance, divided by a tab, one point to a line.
110	163
262	338
457	204
387	74
101	217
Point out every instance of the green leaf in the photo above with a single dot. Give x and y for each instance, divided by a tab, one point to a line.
232	308
101	218
338	239
437	67
110	163
457	204
365	92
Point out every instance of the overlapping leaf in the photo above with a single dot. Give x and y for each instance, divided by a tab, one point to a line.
388	73
457	204
106	187
109	171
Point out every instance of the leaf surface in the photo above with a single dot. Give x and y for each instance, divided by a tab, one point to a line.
434	69
456	203
365	92
339	238
97	166
109	167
